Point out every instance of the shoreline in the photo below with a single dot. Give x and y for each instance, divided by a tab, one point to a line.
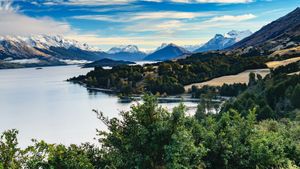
137	97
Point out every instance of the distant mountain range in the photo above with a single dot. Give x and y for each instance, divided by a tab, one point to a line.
280	37
57	49
220	41
46	49
167	52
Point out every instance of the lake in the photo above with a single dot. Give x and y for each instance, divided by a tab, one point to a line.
42	105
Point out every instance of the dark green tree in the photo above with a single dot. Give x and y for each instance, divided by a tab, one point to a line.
295	97
10	154
149	136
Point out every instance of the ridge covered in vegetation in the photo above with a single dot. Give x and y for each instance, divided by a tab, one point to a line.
169	77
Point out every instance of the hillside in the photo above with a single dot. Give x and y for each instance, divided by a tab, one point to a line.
280	34
167	52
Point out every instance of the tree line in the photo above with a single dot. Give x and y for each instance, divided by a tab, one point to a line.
169	77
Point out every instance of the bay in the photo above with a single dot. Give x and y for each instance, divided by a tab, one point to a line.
42	105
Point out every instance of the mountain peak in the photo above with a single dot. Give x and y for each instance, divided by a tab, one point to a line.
219	36
124	48
297	9
238	35
163	45
220	41
172	44
167	52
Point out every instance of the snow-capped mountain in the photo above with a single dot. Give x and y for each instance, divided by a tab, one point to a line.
167	52
45	42
46	48
124	48
189	48
238	35
192	48
163	45
220	41
128	52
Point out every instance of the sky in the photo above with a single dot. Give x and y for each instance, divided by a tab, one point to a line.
147	23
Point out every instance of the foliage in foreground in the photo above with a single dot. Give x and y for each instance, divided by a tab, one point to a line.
274	97
151	137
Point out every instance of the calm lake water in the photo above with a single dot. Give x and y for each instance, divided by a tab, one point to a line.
42	105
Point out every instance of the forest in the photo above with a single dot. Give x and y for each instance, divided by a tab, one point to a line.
169	77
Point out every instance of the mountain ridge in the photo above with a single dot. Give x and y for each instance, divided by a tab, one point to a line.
279	32
46	48
167	52
219	41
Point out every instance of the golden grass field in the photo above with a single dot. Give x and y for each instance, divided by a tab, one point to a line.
274	64
244	76
231	79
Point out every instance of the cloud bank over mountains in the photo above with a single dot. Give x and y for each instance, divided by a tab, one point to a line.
147	23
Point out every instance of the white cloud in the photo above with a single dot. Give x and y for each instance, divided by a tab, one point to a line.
232	18
121	2
163	29
12	22
127	17
212	1
87	2
170	15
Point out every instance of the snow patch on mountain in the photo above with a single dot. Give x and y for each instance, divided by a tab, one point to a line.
238	35
45	42
191	48
219	41
124	48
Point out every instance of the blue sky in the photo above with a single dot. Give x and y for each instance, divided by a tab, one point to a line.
107	23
